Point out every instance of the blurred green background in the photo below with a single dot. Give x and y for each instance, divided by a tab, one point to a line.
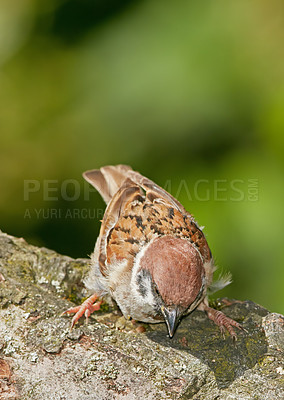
190	93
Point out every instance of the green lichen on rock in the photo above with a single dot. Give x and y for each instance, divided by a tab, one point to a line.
116	358
202	339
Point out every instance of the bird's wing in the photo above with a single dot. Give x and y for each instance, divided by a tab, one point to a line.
120	186
126	194
154	192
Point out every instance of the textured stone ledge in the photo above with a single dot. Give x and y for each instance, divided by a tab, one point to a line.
111	358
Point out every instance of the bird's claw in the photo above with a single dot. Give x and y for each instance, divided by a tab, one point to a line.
86	308
224	322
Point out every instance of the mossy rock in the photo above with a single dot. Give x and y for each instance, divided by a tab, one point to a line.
111	358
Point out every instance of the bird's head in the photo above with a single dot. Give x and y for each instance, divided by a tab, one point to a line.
171	276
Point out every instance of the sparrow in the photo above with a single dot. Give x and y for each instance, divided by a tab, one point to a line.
150	256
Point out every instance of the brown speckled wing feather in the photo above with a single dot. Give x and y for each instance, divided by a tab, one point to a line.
153	191
126	194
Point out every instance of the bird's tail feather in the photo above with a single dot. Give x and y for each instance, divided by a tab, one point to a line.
107	180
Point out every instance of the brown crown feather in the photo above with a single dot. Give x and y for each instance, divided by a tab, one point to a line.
176	268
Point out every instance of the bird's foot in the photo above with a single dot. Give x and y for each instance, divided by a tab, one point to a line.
87	307
224	322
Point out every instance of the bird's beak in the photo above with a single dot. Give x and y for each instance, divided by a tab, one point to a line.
171	316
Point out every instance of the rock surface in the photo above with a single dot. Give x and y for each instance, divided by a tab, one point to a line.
111	358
